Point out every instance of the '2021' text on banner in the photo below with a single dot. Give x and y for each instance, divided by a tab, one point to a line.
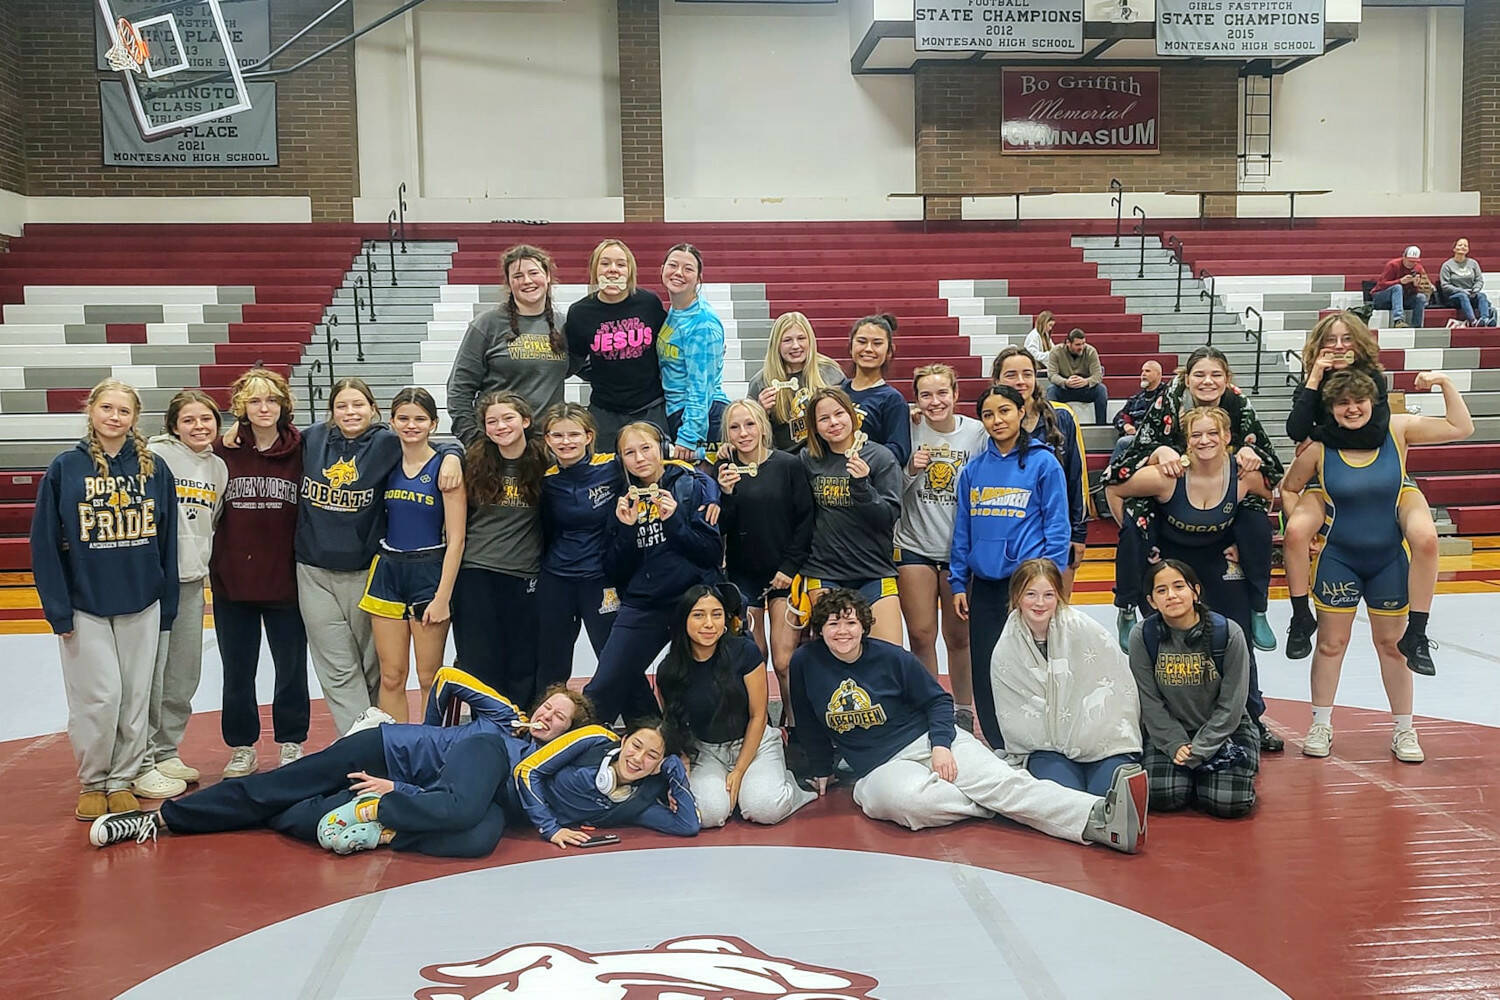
1084	110
1239	29
1000	26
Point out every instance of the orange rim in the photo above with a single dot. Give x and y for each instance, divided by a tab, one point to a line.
132	42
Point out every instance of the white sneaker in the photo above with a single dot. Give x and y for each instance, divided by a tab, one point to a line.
155	785
173	767
368	719
1319	741
242	762
289	753
1406	748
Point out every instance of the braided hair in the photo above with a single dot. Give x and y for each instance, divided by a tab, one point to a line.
143	453
520	252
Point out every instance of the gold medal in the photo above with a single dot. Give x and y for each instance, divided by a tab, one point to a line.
745	470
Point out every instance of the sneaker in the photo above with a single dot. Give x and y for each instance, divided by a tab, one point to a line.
242	761
122	801
963	718
360	809
1319	741
1125	624
359	837
1406	748
1417	649
111	828
368	719
91	805
289	753
1299	641
1269	741
155	785
1399	324
173	767
1260	632
1122	824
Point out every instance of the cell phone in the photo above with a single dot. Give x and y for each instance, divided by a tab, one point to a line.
600	840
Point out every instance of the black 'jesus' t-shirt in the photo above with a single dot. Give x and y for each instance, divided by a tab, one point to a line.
619	342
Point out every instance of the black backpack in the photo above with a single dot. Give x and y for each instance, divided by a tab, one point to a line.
1151	637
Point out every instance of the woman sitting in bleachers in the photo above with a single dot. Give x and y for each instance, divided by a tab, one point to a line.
1206	380
1462	283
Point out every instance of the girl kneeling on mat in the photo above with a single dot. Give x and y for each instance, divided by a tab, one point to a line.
1064	694
1192	669
439	789
877	706
713	687
411	581
104	553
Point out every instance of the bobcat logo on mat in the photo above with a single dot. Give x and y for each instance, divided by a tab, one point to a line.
341	473
708	968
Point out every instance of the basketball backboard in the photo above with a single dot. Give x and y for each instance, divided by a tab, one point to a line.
197	51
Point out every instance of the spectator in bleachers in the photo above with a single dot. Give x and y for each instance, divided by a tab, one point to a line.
1206	380
792	356
1363	558
1399	287
1196	513
192	424
883	412
1462	283
1052	425
104	554
253	571
690	351
1064	695
1327	351
518	347
612	336
1077	376
943	443
1039	341
1152	386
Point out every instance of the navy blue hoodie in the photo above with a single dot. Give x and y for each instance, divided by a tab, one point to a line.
654	561
104	545
578	506
341	517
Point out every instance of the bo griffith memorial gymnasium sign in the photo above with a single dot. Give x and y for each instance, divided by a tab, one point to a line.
1080	111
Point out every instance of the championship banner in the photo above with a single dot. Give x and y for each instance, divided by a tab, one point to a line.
1080	110
1239	29
247	139
1000	26
248	23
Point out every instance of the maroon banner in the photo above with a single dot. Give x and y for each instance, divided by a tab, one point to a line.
1095	110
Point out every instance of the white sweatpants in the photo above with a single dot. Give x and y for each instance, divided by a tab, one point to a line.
340	639
179	665
768	793
107	665
905	790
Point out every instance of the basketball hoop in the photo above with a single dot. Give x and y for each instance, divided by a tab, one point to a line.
130	52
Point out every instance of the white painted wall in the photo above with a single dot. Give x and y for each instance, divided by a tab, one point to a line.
1355	119
762	118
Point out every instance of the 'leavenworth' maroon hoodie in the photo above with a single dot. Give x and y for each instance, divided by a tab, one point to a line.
253	557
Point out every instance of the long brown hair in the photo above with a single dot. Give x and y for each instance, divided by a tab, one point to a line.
520	252
143	454
1052	434
360	386
815	444
181	400
485	466
1366	350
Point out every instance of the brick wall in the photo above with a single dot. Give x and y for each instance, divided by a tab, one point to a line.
640	109
12	143
958	139
319	144
1481	114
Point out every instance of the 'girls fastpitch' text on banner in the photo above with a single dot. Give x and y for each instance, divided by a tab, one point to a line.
1239	29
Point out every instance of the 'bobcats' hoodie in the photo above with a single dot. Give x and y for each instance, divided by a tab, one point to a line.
252	552
343	481
104	545
653	561
201	478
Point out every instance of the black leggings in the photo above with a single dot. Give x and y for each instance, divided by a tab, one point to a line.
989	604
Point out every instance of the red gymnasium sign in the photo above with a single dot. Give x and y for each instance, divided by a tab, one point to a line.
1080	111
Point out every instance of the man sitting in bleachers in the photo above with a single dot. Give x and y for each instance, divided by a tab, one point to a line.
1076	375
1152	386
1399	283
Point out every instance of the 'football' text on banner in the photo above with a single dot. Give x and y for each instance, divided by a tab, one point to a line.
247	139
1000	26
1098	110
1239	29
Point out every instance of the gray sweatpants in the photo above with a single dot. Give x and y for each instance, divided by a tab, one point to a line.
768	792
179	664
107	665
340	640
